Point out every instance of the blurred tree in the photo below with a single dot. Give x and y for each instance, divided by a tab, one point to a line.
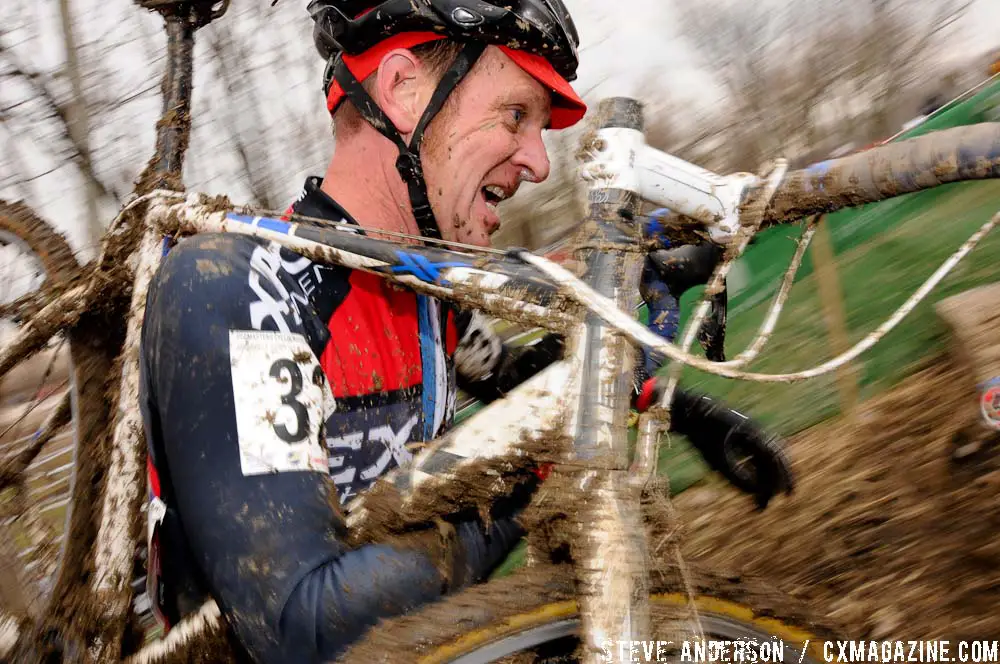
82	118
78	127
815	74
795	76
241	114
52	122
896	40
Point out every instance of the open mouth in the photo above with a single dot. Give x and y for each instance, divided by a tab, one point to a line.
493	195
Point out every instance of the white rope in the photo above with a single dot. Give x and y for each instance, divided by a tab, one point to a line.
771	320
611	314
754	218
347	226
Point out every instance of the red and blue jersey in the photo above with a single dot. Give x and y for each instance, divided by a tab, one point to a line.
273	389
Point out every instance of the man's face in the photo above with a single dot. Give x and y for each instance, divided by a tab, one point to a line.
485	141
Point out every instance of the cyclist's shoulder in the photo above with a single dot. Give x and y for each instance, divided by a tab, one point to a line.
234	254
207	267
214	254
238	272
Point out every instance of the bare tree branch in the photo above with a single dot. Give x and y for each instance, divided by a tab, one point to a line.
12	153
815	71
239	85
45	95
77	125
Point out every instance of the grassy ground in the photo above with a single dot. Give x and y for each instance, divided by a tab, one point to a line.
876	276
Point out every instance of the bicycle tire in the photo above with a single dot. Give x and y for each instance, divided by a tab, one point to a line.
495	620
92	348
20	226
52	249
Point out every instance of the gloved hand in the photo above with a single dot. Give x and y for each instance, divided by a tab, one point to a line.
730	442
479	545
663	311
668	273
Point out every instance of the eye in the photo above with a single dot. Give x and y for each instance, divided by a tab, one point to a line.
517	116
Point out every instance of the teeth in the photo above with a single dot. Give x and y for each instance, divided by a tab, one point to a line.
497	191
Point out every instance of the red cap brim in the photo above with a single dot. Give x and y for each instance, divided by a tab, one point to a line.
567	107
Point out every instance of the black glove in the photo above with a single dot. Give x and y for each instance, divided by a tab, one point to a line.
679	269
480	547
732	444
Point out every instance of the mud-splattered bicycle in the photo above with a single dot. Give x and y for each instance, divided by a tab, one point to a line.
623	578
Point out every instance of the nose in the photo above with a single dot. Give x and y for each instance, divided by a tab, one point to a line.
532	155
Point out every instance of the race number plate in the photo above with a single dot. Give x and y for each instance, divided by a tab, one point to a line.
282	399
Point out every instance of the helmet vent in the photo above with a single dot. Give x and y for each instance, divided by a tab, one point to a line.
466	17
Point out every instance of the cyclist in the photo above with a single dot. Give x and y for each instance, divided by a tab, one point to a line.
274	388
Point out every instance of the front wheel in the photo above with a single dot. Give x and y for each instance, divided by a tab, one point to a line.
534	617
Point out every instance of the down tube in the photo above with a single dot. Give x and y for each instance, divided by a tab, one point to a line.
611	564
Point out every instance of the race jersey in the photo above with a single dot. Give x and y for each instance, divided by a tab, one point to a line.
275	388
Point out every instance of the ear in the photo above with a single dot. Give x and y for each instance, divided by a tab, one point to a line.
400	89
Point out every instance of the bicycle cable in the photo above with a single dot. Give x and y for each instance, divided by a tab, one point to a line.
396	234
639	334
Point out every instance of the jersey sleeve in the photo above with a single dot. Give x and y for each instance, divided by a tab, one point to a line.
239	404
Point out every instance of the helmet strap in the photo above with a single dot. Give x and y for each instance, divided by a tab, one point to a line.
408	163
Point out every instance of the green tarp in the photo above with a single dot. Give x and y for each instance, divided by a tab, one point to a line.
759	272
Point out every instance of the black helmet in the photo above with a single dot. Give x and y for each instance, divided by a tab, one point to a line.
541	28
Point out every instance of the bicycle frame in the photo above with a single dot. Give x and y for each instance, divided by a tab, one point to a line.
591	385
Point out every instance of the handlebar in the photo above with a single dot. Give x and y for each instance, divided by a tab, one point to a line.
970	152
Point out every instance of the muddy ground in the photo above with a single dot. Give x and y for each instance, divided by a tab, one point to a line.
886	533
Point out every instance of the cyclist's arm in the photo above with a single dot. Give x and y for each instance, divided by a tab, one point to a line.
487	368
270	546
